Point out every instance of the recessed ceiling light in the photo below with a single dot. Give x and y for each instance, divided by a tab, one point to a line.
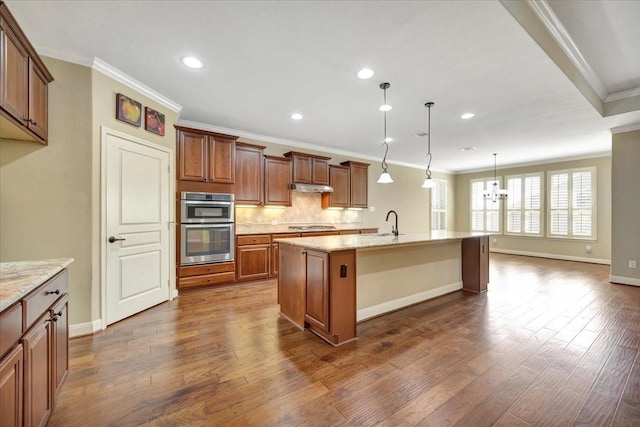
467	116
365	73
467	148
192	62
296	116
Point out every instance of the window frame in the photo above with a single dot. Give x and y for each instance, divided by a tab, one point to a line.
594	204
443	211
487	184
523	210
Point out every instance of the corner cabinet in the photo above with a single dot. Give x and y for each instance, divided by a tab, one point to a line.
358	184
339	180
24	80
277	181
249	174
205	156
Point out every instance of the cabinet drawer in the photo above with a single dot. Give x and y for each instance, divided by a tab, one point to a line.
343	232
38	301
10	328
209	279
369	231
199	270
320	233
284	235
254	240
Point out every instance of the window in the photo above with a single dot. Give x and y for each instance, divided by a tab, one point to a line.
439	205
524	205
572	204
485	214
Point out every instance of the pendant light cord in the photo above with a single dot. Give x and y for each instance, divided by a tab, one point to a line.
384	141
428	172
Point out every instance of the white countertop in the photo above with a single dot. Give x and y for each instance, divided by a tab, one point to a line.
364	241
19	278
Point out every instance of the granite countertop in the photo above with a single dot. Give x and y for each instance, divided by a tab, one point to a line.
19	278
379	240
244	229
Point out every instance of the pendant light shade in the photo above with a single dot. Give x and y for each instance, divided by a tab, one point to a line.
495	193
385	178
428	181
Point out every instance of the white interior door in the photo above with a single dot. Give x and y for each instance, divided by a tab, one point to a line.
137	209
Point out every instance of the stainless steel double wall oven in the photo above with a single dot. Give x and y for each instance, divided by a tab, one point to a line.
207	228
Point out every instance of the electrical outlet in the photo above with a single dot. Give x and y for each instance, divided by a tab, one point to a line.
495	241
588	249
372	208
633	263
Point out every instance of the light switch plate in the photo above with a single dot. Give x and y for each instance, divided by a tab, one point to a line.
633	263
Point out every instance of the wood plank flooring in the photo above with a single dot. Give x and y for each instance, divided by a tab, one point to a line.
551	344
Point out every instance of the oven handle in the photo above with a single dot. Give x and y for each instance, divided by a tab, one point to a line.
209	225
206	202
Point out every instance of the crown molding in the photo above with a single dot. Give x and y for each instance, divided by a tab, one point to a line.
616	96
296	144
560	34
627	128
125	79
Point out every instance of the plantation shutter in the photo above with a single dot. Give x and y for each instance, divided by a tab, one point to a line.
559	204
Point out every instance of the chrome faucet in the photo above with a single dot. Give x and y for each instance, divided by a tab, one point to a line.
394	230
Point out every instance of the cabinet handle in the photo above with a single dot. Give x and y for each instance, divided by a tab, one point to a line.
58	313
57	292
32	122
53	319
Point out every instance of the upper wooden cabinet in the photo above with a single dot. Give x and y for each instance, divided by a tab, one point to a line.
277	181
249	174
24	83
339	180
309	168
205	156
358	185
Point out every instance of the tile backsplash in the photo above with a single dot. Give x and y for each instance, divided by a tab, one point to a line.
305	209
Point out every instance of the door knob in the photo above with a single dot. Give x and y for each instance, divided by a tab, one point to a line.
113	239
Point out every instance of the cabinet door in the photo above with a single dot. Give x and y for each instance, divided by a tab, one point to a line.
222	160
192	156
277	184
60	345
339	179
302	168
317	283
37	373
320	171
11	387
359	186
249	174
38	102
253	261
14	79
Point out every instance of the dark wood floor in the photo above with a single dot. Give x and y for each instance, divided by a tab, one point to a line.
552	343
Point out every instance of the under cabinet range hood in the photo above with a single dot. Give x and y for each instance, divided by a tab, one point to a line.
311	188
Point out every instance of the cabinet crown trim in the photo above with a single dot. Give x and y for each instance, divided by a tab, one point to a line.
297	153
351	162
246	144
204	132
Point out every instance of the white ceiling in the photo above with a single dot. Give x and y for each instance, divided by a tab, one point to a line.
265	60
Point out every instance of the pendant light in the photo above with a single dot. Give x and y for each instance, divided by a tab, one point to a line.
385	178
428	182
496	193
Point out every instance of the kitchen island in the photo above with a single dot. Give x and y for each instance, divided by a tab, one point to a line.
328	284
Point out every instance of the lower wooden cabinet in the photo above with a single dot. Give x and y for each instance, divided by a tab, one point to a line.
195	276
34	368
253	255
317	280
38	369
475	264
12	387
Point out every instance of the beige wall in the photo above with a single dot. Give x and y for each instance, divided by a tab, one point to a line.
45	192
569	249
50	196
404	195
103	97
625	194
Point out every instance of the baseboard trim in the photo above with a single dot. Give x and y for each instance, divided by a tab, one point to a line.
88	328
552	256
624	280
376	310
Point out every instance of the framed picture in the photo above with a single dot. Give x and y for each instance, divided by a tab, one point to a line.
153	121
128	110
